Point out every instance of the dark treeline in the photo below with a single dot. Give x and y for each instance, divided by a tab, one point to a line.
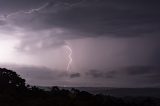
14	92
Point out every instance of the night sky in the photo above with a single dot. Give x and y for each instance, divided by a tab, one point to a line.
106	43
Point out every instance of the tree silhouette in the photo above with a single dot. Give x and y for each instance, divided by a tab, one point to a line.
10	80
14	92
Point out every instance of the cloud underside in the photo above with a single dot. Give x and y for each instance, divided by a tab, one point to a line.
64	20
93	18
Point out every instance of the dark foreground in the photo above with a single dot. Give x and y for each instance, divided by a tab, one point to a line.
14	92
116	92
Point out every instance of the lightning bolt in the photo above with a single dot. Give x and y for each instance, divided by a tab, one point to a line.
38	9
33	10
3	17
48	4
69	57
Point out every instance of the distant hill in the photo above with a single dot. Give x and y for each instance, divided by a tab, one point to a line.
117	92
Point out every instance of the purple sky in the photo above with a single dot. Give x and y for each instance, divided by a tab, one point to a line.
114	43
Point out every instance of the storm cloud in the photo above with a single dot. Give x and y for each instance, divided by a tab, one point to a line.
63	20
101	74
103	34
75	75
93	18
131	76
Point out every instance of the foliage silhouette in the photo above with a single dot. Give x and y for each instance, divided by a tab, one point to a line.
10	80
14	92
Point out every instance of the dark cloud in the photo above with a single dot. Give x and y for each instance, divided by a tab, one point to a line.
154	79
94	73
62	20
10	6
83	18
139	70
127	71
156	57
131	76
145	75
142	70
101	74
75	75
2	22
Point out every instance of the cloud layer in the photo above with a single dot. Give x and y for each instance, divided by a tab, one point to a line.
133	76
125	33
59	20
